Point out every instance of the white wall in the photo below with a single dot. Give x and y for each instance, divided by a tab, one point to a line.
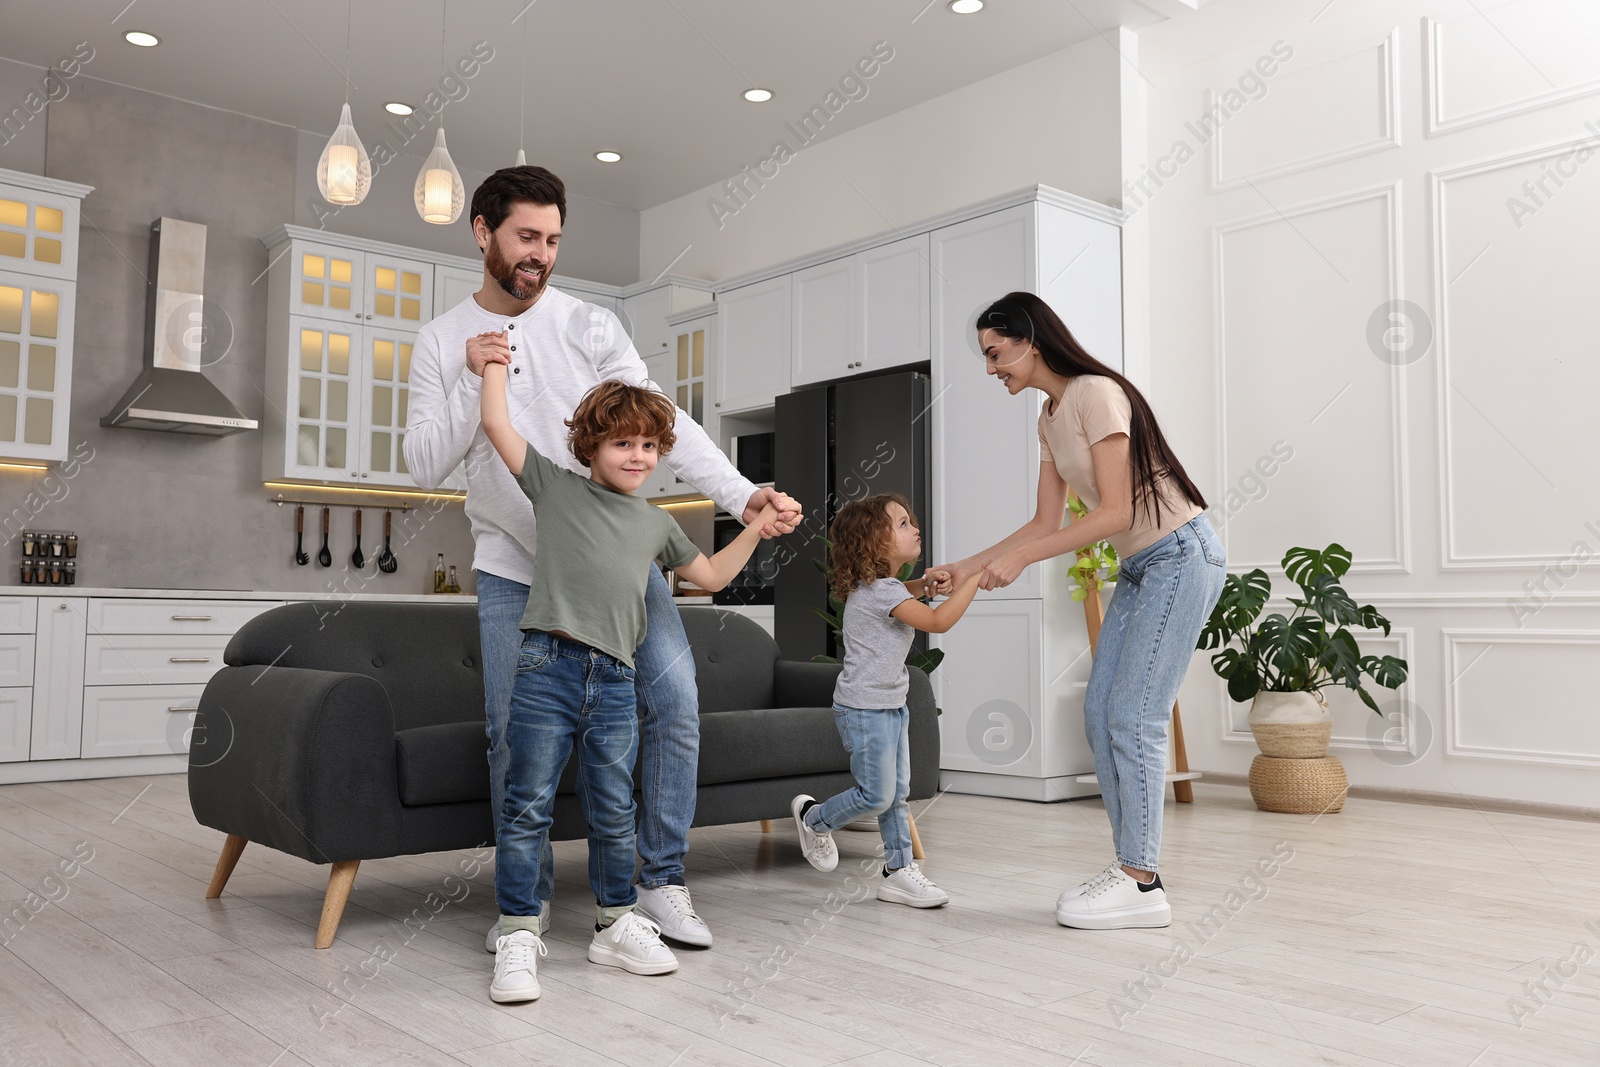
1053	121
1380	163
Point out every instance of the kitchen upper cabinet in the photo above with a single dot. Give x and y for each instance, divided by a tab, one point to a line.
686	374
38	296
861	313
820	300
329	281
453	284
753	350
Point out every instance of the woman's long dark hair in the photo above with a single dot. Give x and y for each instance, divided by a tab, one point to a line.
1024	317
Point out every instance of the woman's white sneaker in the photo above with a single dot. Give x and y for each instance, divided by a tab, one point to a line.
516	967
1117	903
670	908
818	849
1083	887
634	944
909	885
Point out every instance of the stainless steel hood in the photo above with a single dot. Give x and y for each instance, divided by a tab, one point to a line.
171	394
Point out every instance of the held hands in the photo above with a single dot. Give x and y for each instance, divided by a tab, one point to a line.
785	510
487	348
938	582
1002	571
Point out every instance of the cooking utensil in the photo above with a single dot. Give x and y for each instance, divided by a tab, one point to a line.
300	556
386	561
357	560
325	558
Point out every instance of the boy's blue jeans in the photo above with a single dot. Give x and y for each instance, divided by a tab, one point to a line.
879	743
1164	595
567	694
669	721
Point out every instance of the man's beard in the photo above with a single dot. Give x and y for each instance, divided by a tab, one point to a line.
504	272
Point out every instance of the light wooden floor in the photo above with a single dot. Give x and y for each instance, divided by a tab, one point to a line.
1394	934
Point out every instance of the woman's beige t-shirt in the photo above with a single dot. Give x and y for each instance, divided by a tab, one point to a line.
1095	407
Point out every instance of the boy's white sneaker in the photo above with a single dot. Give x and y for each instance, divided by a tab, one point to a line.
516	964
1083	887
909	885
670	908
492	938
634	944
818	849
1117	903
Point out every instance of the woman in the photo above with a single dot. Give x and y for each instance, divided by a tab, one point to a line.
1099	438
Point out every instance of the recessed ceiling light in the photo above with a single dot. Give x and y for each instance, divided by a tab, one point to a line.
395	107
143	40
966	7
758	96
608	157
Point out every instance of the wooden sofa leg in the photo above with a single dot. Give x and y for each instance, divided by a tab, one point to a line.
916	839
766	826
225	864
339	881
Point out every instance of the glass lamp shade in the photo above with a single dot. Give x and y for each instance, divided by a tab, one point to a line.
344	173
439	193
522	158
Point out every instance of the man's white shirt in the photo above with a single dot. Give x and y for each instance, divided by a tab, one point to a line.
561	348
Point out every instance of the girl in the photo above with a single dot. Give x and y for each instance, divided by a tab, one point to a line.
1098	436
872	540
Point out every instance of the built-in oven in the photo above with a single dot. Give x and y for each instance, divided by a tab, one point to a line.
753	456
756	583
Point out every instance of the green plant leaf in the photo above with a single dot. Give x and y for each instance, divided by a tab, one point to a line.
928	661
1229	660
1366	698
1326	597
1301	565
1371	620
1341	658
1388	671
1243	686
824	659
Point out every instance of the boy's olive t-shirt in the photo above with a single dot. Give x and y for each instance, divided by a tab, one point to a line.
595	546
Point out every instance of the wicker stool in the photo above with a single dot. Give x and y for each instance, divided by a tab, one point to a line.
1298	786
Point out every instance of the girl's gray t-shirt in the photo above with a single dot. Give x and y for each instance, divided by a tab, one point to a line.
875	647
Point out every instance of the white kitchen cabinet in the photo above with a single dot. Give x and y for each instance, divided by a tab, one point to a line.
453	284
644	317
16	660
138	720
17	614
16	723
39	224
344	284
686	374
57	716
36	326
990	718
753	345
861	313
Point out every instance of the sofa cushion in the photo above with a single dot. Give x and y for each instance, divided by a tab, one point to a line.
733	659
737	746
442	764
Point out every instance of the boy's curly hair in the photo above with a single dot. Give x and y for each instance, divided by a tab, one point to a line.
860	537
615	409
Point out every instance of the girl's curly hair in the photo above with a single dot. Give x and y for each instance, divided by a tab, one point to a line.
615	409
861	538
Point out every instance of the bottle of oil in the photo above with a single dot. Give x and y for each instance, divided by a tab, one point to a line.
452	584
439	575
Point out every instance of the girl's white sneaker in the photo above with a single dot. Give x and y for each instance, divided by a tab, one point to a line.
818	849
909	885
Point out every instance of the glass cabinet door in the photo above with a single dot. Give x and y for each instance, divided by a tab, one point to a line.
35	366
388	360
38	233
326	281
690	392
399	292
325	398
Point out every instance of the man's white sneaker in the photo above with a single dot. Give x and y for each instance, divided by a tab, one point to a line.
1083	887
492	938
516	965
670	908
1117	903
634	944
818	849
909	885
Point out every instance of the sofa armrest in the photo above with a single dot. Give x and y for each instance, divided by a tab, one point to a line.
300	760
800	683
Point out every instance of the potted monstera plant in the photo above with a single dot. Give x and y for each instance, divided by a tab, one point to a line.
1281	663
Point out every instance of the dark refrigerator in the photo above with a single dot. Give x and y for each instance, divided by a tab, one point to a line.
834	444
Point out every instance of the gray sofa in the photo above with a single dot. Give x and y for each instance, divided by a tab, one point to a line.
340	732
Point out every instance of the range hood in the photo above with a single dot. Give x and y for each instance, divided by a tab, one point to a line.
171	394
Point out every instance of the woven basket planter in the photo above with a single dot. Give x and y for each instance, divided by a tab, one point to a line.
1291	725
1298	786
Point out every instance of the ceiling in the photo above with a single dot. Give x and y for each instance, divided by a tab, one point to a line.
658	80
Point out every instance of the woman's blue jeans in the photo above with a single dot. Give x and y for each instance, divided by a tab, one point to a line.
1163	597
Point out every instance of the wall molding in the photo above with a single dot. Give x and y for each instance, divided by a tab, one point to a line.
1399	423
1501	805
1435	124
1388	50
1453	638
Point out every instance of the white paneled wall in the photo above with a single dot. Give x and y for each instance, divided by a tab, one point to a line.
1444	154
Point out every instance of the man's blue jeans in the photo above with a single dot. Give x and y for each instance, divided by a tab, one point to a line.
669	721
568	695
879	743
1164	595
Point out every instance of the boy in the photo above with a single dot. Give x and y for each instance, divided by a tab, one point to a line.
575	676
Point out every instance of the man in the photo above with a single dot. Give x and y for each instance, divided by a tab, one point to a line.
557	348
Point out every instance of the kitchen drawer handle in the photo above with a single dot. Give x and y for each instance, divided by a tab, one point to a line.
193	708
188	659
191	618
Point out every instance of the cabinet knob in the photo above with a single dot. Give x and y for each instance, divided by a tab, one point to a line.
63	607
718	404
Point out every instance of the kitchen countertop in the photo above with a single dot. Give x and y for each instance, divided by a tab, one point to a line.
228	594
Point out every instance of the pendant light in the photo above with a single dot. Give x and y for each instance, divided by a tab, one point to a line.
344	173
439	194
522	98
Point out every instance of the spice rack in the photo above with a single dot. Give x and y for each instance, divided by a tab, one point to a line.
49	557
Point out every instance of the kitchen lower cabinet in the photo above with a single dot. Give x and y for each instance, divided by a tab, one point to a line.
138	720
16	723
